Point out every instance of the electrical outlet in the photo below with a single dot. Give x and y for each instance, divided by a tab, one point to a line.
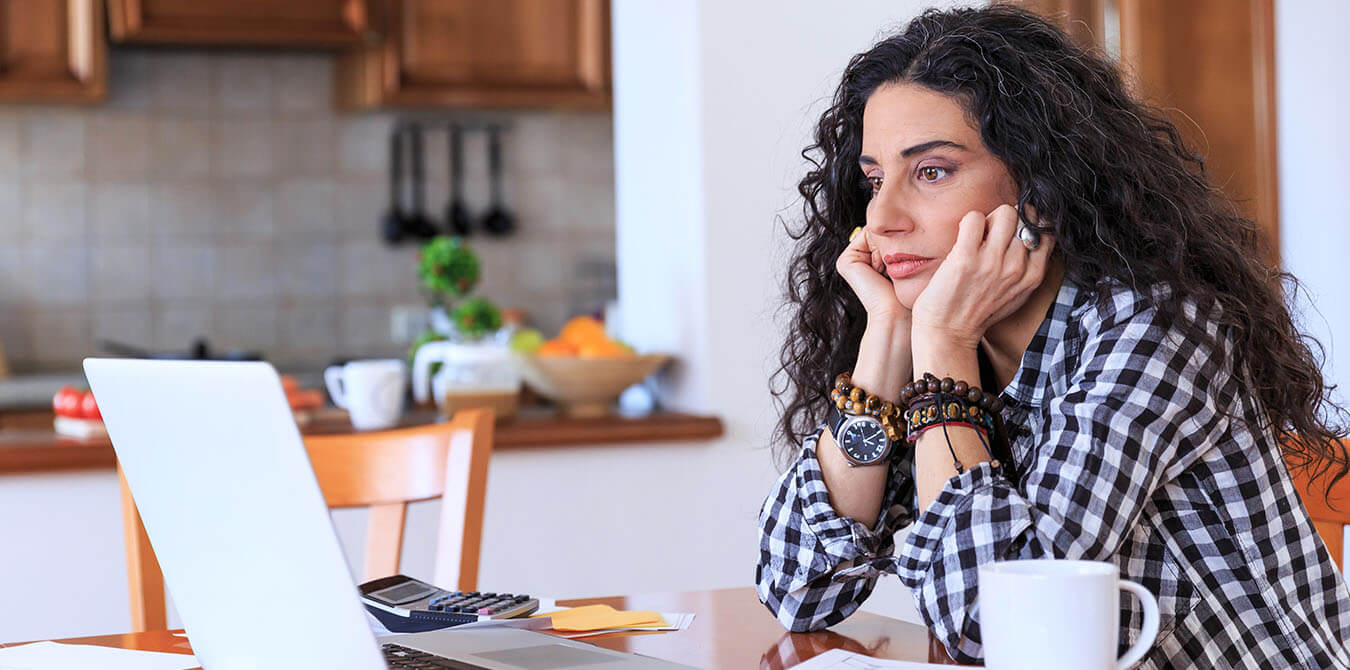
406	322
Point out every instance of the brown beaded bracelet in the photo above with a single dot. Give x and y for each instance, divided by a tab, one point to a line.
929	383
854	400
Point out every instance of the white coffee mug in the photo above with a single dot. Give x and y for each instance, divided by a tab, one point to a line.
1058	614
371	391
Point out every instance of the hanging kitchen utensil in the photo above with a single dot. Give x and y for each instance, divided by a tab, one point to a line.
498	221
392	223
456	212
418	223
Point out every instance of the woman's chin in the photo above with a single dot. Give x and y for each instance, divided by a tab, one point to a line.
907	291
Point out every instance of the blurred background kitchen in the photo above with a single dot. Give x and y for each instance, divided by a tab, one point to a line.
180	173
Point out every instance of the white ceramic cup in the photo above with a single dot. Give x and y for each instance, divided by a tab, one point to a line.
1058	614
371	391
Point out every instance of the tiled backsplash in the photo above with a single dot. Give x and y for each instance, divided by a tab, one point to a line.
222	194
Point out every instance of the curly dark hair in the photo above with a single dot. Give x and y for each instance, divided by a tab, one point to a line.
1130	204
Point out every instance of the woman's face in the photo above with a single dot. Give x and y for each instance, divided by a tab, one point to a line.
927	168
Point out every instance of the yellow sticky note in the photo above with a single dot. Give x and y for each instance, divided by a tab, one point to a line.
599	617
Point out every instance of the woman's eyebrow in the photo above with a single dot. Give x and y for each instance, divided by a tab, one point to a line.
916	149
920	148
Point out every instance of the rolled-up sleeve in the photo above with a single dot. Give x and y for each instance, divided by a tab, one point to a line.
816	567
1138	410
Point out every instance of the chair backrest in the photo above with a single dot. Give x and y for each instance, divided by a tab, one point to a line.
382	470
1330	521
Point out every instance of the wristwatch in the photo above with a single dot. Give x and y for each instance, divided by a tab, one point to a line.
861	437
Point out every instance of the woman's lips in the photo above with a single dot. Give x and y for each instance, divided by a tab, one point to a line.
899	266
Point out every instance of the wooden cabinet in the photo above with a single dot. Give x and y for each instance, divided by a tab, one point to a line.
284	23
504	53
1211	65
52	51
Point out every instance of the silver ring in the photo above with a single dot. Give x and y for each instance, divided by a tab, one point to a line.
1030	238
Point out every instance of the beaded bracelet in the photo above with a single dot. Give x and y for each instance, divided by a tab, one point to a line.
928	396
852	399
929	384
927	411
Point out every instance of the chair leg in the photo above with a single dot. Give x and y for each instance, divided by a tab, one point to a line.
145	582
384	540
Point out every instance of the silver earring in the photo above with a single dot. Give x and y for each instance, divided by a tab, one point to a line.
1031	239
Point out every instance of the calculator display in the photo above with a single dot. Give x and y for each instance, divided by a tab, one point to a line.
401	593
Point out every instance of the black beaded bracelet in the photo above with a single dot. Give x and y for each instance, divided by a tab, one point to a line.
927	410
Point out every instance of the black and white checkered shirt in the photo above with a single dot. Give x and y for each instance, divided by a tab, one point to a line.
1125	451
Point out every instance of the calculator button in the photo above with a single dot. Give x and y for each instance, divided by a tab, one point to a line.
485	610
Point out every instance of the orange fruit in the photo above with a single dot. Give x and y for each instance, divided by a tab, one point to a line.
604	349
556	347
583	329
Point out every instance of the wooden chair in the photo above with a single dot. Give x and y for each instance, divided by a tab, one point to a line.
383	470
1330	522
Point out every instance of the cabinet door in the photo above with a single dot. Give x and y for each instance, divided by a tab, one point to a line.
305	23
501	54
1211	65
52	51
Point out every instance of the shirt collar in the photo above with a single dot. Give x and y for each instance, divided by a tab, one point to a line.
1032	379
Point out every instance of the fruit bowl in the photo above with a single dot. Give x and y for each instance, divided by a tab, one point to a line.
586	387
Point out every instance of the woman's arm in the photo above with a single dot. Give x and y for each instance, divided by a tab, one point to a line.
827	529
1142	404
933	457
884	366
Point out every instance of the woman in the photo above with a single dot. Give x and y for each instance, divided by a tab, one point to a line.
1033	231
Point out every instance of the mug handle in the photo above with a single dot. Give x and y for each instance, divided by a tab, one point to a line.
332	377
1150	630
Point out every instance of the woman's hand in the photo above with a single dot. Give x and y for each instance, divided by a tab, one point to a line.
860	265
986	277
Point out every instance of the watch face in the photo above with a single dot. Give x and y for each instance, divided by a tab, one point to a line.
864	439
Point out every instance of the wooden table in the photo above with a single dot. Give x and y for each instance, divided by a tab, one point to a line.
732	630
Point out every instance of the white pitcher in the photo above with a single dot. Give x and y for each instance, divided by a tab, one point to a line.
471	369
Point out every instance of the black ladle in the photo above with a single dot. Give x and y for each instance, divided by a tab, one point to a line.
456	212
418	224
498	221
392	224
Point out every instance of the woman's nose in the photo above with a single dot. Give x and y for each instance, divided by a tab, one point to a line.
887	214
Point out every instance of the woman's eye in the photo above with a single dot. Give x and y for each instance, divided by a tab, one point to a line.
871	184
932	173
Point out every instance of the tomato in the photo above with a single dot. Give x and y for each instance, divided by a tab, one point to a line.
67	401
89	408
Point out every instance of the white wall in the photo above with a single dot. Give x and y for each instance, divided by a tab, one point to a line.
1313	94
1314	164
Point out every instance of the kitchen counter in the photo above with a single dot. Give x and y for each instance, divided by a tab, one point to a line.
43	450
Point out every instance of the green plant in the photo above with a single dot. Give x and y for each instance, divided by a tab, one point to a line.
448	269
476	317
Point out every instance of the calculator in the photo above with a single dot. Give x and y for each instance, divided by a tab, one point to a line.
407	605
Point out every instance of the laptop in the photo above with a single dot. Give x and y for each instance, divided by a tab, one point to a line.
216	465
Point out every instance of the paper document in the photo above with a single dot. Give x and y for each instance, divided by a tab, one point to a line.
603	617
669	621
838	659
56	656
